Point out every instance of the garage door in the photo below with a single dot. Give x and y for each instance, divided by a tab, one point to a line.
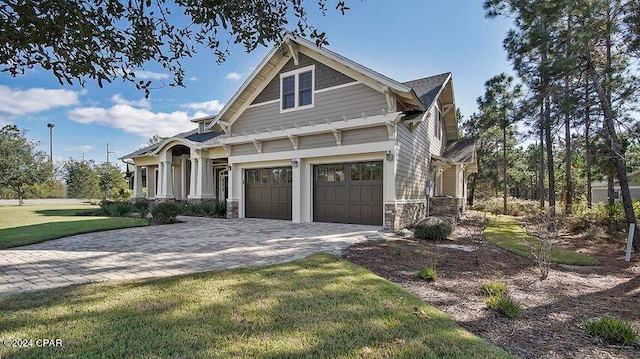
268	193
348	193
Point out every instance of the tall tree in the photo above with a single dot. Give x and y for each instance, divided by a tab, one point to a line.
112	180
81	178
21	165
107	39
498	108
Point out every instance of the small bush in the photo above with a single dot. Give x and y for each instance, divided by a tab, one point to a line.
142	208
515	207
491	289
612	331
503	304
434	228
165	213
117	209
220	209
428	274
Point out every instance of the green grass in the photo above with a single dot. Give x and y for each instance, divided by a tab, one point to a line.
22	225
613	331
318	307
505	232
494	288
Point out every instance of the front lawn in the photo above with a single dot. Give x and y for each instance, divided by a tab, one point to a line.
319	307
505	232
22	225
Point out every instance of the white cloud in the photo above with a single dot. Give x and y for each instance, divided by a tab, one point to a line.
234	76
119	100
149	75
141	122
200	114
83	148
213	106
193	78
21	102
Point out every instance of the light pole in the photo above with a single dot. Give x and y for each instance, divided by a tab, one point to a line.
51	126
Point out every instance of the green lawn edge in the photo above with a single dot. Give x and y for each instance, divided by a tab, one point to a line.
31	224
320	306
506	233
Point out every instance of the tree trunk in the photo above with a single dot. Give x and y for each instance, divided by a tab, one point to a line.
550	165
547	131
568	202
541	171
504	169
472	192
587	141
621	166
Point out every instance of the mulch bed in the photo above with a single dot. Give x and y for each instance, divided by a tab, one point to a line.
554	310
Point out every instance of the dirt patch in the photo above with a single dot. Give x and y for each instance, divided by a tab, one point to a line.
554	310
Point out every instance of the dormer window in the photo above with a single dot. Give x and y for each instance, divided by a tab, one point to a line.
296	88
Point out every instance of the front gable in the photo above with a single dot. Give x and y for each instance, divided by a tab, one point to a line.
325	77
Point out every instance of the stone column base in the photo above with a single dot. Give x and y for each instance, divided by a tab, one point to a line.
402	215
446	206
232	208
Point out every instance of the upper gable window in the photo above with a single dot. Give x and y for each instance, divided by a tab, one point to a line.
438	127
296	88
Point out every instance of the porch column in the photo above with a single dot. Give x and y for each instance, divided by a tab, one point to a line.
151	182
206	178
166	175
194	178
184	177
137	182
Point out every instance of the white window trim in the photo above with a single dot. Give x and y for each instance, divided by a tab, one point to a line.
438	123
295	73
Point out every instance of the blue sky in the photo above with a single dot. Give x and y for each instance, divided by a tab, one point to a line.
407	40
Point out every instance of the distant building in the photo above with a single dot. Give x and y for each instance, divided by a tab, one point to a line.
599	188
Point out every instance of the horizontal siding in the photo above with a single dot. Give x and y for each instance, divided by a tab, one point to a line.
277	146
436	145
365	135
316	141
412	162
350	137
348	101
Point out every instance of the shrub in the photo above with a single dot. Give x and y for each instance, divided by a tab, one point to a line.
515	207
612	331
207	209
142	208
503	304
117	209
428	274
165	213
491	289
434	228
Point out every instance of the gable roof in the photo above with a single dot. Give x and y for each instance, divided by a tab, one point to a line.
190	136
428	88
276	58
461	151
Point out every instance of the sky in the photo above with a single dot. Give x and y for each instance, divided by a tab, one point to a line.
403	39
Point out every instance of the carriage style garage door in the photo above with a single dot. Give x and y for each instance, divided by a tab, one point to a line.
268	193
348	193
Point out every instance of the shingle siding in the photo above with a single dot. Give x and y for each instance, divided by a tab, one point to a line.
325	77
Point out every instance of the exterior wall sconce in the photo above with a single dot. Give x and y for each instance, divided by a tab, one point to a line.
294	163
389	155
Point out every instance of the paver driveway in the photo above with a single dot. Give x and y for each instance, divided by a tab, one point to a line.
198	245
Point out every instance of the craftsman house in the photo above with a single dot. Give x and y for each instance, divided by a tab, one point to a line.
313	136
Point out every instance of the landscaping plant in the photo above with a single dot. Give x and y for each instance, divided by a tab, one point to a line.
613	331
165	213
434	228
428	274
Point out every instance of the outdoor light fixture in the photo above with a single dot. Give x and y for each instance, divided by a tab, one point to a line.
389	155
294	163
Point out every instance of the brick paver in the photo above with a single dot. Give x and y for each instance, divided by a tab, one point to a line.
197	245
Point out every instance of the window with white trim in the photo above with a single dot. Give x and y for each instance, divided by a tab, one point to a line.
296	89
438	124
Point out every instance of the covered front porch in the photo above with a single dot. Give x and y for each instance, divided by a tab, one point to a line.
181	171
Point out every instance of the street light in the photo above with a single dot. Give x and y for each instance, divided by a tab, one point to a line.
51	126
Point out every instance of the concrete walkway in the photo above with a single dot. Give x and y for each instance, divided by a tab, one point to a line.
198	245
